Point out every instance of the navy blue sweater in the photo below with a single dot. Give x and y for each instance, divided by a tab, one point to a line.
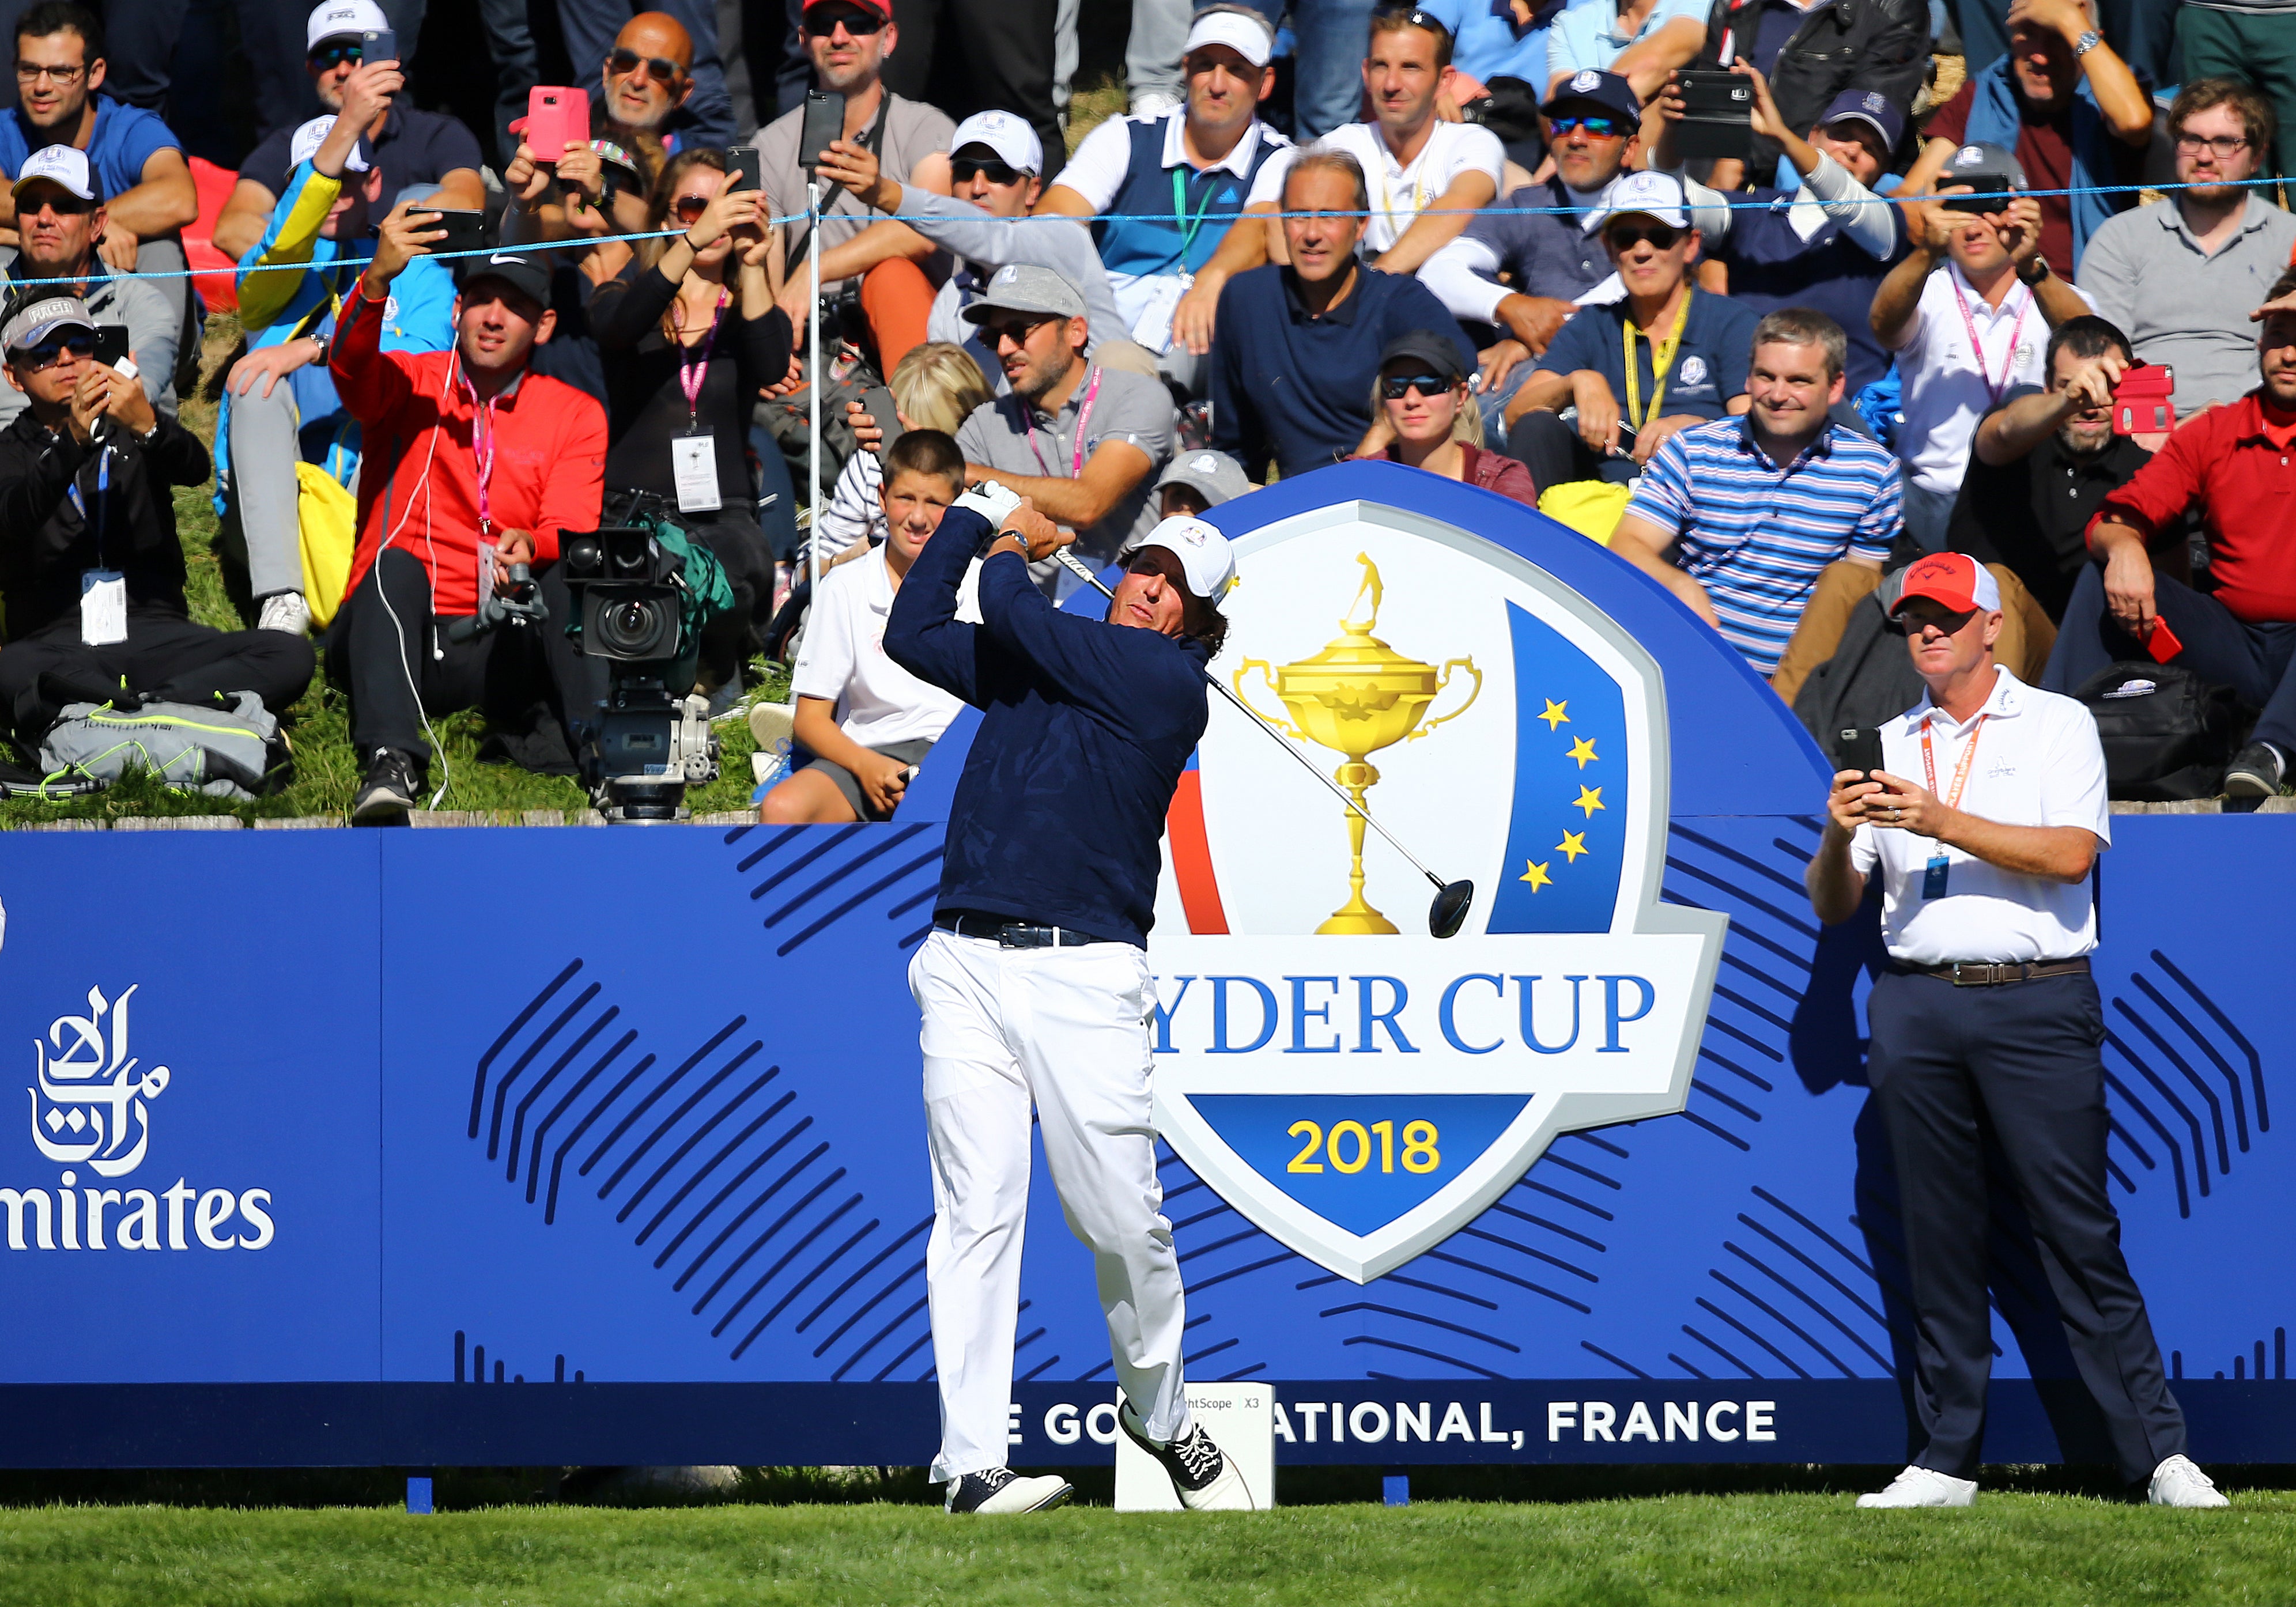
1084	729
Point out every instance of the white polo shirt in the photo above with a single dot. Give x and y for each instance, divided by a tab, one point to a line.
843	659
2038	763
1948	386
1400	193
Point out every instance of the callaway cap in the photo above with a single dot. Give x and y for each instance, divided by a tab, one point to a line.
1205	556
517	269
342	20
1015	144
1590	86
1973	162
1023	287
42	319
1870	107
1240	31
64	167
1646	193
1214	476
1953	580
305	143
1423	346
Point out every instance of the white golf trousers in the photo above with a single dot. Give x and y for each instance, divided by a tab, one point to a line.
1067	1029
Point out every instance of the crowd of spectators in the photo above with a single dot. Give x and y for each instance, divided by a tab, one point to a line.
1471	240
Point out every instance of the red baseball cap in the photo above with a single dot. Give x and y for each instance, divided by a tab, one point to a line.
883	8
1955	579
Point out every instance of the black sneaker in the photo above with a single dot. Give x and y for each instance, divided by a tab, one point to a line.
1202	1477
999	1489
390	789
2255	772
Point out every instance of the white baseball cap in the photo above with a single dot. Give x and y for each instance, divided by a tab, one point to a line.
1016	144
343	18
1206	556
305	144
62	166
1646	190
1247	36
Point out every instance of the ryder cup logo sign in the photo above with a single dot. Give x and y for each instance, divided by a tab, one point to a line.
1356	1088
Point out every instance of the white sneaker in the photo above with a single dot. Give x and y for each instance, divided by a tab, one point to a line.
1922	1487
996	1490
285	611
2176	1482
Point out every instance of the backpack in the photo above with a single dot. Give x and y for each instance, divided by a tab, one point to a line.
222	753
2166	733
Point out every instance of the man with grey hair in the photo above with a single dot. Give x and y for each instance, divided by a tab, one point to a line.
1298	342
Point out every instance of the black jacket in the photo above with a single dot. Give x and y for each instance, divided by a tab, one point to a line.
123	518
1882	45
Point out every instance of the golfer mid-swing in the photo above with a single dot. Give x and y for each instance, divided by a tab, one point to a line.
1033	983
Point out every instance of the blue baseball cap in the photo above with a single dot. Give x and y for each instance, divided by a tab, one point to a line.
1592	86
1870	107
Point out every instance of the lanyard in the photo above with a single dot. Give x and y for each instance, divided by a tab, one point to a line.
1181	220
1083	416
1985	363
482	446
1961	771
1661	362
692	378
1387	205
102	499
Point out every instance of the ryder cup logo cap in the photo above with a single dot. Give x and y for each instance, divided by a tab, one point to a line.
1984	162
343	20
1206	557
1590	87
1239	31
1953	580
1015	144
1870	107
311	136
1023	287
1647	193
42	319
1215	475
62	166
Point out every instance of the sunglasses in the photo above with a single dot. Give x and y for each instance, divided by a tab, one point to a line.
820	22
963	168
335	56
1596	128
1952	625
1396	386
622	62
1018	329
48	354
1626	236
690	207
62	202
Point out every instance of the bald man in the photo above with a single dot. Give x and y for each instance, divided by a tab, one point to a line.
638	105
700	112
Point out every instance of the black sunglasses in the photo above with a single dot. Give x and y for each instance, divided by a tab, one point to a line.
335	56
1952	625
622	62
64	203
1016	329
48	353
1599	127
820	22
962	168
1396	386
1626	236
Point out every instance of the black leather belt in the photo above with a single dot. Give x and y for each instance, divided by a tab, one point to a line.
1010	933
1991	973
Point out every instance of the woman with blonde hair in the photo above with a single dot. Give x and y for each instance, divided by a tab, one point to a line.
1424	417
935	387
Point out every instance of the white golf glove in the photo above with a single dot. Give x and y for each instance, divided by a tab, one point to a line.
993	501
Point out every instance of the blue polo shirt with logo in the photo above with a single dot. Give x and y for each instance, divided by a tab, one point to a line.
125	137
1710	365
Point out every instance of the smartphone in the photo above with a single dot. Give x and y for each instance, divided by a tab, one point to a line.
1990	193
2141	402
824	122
110	344
378	44
465	231
1859	748
1717	116
2162	643
748	170
878	403
556	117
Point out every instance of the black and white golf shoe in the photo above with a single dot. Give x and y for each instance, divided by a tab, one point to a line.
1202	1477
999	1489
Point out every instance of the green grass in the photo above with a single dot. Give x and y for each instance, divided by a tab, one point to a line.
2028	1549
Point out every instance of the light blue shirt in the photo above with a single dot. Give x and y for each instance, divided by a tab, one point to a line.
1586	35
1486	44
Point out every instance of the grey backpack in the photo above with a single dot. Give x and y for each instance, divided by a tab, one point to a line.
206	749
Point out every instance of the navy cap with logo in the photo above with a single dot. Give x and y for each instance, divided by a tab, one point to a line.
1981	161
1870	107
1591	89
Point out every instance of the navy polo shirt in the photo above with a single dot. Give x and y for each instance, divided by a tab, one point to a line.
1709	365
1543	253
1773	264
416	147
1297	387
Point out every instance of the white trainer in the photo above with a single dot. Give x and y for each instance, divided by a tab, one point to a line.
998	1490
1924	1486
285	611
2176	1482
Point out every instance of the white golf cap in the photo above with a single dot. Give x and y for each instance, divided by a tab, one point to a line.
343	20
1015	144
62	166
305	144
1647	191
1247	36
1206	557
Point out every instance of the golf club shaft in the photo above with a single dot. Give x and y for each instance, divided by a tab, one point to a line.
1077	566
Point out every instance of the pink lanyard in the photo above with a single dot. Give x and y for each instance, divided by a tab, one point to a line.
482	445
1084	417
1985	363
692	378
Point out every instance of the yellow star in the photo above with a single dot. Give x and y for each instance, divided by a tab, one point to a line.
1573	844
1536	875
1554	716
1590	798
1582	750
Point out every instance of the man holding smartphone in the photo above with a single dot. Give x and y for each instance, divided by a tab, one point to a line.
1987	1025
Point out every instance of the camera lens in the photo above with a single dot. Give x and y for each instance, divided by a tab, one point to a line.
633	627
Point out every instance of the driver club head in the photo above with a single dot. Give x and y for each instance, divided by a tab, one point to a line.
1449	908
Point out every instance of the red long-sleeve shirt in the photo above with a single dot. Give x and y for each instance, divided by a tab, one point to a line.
2227	465
419	468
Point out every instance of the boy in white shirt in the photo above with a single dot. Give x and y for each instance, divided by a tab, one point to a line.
868	722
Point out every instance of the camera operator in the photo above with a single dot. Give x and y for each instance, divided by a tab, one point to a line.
686	353
474	465
1986	1027
90	571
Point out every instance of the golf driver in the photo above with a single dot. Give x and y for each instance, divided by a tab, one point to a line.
1452	898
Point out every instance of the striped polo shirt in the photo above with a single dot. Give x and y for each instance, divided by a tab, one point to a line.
1755	533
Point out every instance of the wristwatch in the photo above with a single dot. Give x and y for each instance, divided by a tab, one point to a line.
2088	41
2035	271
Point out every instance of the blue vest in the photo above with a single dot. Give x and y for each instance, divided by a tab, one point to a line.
1147	238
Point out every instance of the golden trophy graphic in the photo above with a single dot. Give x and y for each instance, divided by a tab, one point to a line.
1355	697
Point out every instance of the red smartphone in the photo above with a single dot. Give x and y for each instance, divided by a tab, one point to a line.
2141	401
2162	643
555	118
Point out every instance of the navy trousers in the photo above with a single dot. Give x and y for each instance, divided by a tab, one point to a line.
2256	661
1950	1066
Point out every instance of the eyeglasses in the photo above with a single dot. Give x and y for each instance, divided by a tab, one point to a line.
1396	386
31	359
622	62
820	22
1596	128
1626	236
32	72
2224	147
1414	17
690	207
963	168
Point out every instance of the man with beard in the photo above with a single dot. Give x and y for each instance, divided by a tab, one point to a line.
1081	441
